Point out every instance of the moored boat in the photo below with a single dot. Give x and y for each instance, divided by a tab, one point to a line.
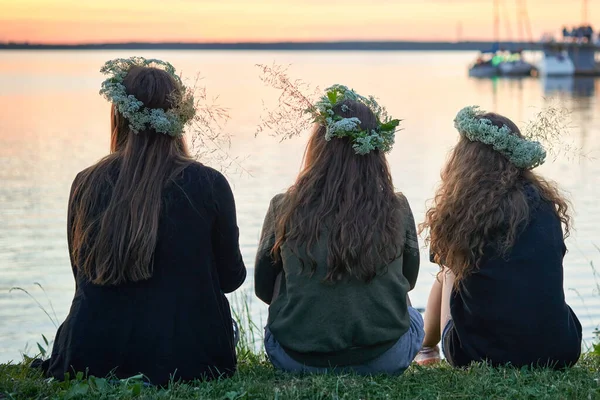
514	65
556	63
486	65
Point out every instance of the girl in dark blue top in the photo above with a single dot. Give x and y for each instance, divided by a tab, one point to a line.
496	230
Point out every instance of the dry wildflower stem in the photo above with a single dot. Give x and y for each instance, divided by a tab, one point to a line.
551	127
209	141
289	118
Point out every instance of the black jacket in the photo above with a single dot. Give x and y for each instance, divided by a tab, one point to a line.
177	323
512	310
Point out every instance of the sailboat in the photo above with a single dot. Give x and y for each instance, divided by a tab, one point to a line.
486	65
514	64
492	63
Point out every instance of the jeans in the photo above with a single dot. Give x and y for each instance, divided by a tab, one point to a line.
393	362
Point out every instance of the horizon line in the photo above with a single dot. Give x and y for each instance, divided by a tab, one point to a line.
268	42
347	45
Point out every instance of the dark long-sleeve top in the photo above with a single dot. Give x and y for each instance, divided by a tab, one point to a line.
512	309
345	323
178	322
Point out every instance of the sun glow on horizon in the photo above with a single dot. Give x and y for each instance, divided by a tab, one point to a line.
76	21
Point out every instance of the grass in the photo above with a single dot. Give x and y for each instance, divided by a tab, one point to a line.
256	379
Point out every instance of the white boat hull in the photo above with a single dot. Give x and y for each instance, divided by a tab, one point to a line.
556	66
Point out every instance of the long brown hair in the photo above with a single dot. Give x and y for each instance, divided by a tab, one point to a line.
482	201
116	203
346	196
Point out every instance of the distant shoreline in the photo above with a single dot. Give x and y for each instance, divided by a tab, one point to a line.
285	46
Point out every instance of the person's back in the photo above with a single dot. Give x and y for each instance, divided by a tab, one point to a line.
496	231
154	246
338	252
347	322
512	308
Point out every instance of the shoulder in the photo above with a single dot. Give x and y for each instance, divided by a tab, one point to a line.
106	168
545	214
276	203
201	184
277	200
532	194
196	171
540	209
402	200
197	177
84	174
95	175
78	179
95	182
403	205
408	222
76	186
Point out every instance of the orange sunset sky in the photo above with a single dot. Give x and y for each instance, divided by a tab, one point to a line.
92	21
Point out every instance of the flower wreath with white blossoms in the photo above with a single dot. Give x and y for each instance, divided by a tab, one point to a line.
523	153
363	141
171	122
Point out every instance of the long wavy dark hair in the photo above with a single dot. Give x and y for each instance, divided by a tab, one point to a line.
115	205
481	202
346	196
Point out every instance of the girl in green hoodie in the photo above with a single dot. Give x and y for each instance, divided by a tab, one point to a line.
338	253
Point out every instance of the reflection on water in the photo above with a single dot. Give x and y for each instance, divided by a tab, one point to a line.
577	87
54	124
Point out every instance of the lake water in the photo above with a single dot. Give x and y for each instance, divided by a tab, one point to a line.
53	123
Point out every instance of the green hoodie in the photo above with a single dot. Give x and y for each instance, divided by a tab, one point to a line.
345	323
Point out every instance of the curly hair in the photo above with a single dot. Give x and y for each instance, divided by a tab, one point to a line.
348	197
482	202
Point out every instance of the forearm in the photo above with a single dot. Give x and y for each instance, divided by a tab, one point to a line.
410	266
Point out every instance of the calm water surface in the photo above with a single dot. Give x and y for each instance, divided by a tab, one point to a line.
53	123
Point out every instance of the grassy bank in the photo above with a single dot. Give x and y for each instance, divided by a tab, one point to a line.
256	379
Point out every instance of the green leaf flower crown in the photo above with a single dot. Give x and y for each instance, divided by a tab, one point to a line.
171	122
523	153
363	141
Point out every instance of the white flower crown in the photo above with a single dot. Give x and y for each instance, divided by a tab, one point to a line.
523	153
363	141
171	122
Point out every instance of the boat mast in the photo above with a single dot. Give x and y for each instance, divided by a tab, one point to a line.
585	12
497	21
519	21
524	20
509	36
